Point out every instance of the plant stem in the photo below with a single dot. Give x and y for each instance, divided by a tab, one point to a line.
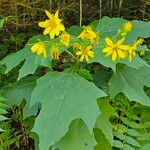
100	9
80	13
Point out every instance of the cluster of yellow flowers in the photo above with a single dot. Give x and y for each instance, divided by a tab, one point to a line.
53	27
83	49
118	50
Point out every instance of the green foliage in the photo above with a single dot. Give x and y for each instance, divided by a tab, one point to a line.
3	111
66	104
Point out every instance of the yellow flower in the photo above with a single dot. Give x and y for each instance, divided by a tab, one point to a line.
142	53
88	33
127	27
133	48
85	53
76	46
117	50
53	25
65	39
95	40
39	48
54	53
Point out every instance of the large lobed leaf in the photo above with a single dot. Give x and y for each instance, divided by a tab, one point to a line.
131	82
64	97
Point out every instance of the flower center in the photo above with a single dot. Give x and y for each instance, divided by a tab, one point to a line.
85	52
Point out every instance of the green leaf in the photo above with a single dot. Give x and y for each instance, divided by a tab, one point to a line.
31	61
77	138
105	126
105	107
117	144
102	142
109	26
64	97
130	123
102	77
19	91
2	21
85	74
130	82
127	147
133	132
127	139
145	147
74	30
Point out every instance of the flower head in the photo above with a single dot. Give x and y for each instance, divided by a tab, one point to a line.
127	27
39	48
116	50
53	25
54	53
88	33
133	48
65	39
142	53
76	46
85	53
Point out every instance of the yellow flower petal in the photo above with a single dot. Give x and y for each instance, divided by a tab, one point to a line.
107	49
124	47
81	58
40	50
109	41
44	53
86	58
79	53
52	34
91	54
114	56
49	15
121	54
120	41
34	48
109	53
43	24
47	30
56	14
